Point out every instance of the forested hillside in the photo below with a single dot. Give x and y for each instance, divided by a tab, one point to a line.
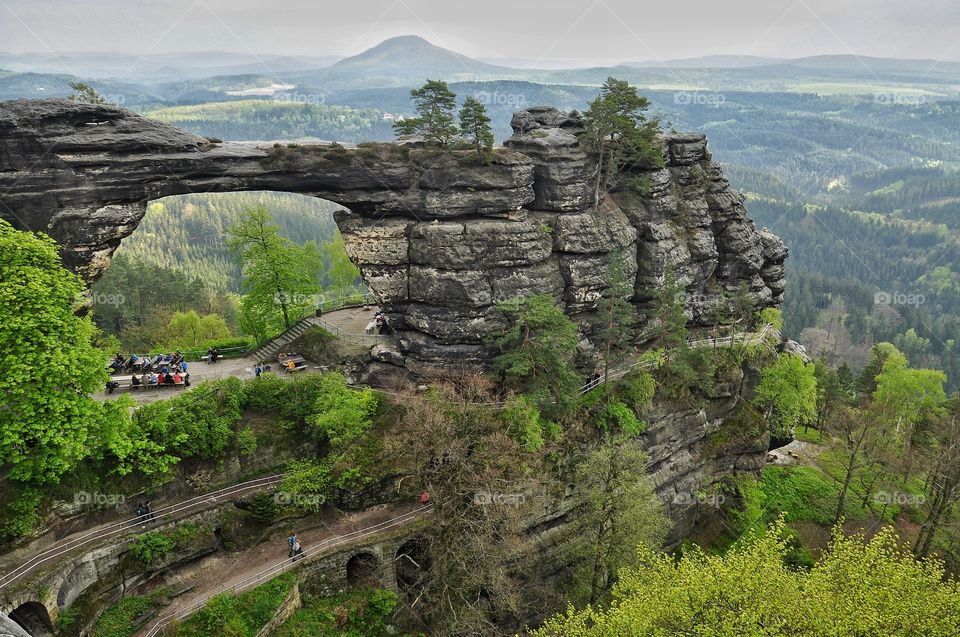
179	259
189	232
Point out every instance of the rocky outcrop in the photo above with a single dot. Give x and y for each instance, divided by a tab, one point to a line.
439	237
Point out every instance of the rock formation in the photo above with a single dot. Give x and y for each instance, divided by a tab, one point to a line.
439	237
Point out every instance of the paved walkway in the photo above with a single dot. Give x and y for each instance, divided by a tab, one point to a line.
259	564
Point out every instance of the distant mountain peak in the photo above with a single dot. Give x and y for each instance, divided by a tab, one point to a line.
411	58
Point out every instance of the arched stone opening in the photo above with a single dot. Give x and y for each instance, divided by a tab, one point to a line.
364	570
412	564
33	618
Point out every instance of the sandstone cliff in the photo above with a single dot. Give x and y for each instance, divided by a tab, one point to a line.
440	238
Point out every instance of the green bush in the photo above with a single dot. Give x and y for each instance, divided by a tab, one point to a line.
117	621
245	441
355	613
525	422
772	316
151	547
264	508
242	615
22	514
617	415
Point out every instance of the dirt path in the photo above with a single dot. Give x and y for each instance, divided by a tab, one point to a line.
221	571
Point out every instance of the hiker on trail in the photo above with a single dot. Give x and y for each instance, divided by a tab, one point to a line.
146	509
292	541
296	549
141	513
424	497
257	370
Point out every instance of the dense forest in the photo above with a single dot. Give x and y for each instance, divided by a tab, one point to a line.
179	259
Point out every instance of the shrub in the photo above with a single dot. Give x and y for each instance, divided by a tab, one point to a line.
772	316
21	515
524	422
620	416
151	547
245	441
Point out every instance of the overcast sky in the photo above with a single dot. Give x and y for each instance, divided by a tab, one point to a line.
590	32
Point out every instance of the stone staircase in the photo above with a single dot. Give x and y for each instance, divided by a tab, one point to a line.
267	353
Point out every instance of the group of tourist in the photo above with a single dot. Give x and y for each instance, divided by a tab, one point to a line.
162	369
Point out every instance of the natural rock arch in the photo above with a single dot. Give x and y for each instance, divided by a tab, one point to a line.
364	569
34	618
438	236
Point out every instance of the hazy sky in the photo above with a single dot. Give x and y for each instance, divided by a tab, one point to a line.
591	32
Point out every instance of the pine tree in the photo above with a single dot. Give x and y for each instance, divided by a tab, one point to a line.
619	132
475	126
434	103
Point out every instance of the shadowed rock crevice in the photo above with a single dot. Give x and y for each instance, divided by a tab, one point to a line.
439	237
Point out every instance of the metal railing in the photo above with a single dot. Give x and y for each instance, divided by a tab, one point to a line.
288	564
167	513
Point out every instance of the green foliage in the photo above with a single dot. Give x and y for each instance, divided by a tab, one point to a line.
618	130
637	389
475	126
342	415
787	393
21	514
151	547
264	508
771	316
47	418
309	483
85	93
537	351
615	317
243	615
188	330
434	102
353	613
525	423
858	587
118	620
280	277
245	441
620	511
616	416
915	396
802	494
194	424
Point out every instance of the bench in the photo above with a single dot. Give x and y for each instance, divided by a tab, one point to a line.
300	363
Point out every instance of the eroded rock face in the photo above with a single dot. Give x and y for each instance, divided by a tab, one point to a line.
440	238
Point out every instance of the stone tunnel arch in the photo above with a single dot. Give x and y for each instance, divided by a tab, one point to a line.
412	565
34	618
364	570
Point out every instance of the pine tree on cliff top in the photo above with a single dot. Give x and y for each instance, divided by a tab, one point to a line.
434	103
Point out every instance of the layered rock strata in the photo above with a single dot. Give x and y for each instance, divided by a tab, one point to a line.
439	237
